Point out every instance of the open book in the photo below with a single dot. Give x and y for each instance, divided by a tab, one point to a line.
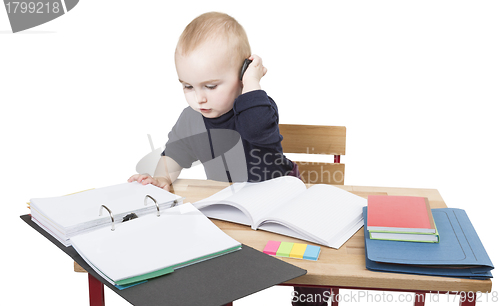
323	214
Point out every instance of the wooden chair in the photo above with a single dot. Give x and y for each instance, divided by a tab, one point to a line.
316	139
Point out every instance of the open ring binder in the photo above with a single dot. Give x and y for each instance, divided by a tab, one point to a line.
122	201
146	203
157	206
110	214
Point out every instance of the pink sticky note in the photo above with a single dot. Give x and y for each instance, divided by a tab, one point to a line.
272	247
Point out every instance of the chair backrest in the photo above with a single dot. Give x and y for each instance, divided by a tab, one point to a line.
316	139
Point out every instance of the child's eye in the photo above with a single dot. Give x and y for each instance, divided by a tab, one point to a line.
188	86
211	86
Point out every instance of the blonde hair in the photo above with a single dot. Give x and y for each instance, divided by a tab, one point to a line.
219	27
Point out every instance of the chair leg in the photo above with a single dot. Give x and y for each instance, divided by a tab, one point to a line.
96	291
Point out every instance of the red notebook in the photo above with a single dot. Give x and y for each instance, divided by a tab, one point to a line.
399	214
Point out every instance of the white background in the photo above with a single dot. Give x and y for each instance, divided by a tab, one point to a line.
416	83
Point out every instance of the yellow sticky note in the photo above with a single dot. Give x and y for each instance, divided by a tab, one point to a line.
298	250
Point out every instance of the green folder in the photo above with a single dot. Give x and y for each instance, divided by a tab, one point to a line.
171	269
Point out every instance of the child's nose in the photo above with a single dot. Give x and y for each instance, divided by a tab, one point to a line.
200	97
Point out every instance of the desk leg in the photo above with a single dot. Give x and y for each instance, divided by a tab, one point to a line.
96	292
468	299
419	298
335	291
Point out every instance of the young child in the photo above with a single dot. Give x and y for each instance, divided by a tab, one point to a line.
209	57
230	124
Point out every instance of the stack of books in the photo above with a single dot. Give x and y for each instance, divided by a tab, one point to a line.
401	218
459	252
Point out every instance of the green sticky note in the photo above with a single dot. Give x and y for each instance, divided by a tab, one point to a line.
284	249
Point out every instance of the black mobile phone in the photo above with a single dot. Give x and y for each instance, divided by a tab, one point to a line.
244	67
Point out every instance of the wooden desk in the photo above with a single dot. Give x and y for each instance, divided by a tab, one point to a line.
345	267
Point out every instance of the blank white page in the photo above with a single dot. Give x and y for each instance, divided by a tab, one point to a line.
258	199
323	211
150	243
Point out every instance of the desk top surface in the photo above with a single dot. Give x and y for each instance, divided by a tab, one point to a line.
344	267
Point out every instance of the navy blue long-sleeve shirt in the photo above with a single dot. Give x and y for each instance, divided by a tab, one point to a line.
243	144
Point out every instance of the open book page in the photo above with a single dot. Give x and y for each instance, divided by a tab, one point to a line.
224	212
324	212
283	229
255	200
222	195
150	243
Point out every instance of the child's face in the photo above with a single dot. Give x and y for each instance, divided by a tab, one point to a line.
209	80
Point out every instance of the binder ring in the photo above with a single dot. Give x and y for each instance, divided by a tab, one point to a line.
110	214
146	203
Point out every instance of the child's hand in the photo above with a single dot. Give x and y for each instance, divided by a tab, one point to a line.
156	181
255	72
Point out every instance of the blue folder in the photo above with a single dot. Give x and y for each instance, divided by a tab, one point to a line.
459	253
